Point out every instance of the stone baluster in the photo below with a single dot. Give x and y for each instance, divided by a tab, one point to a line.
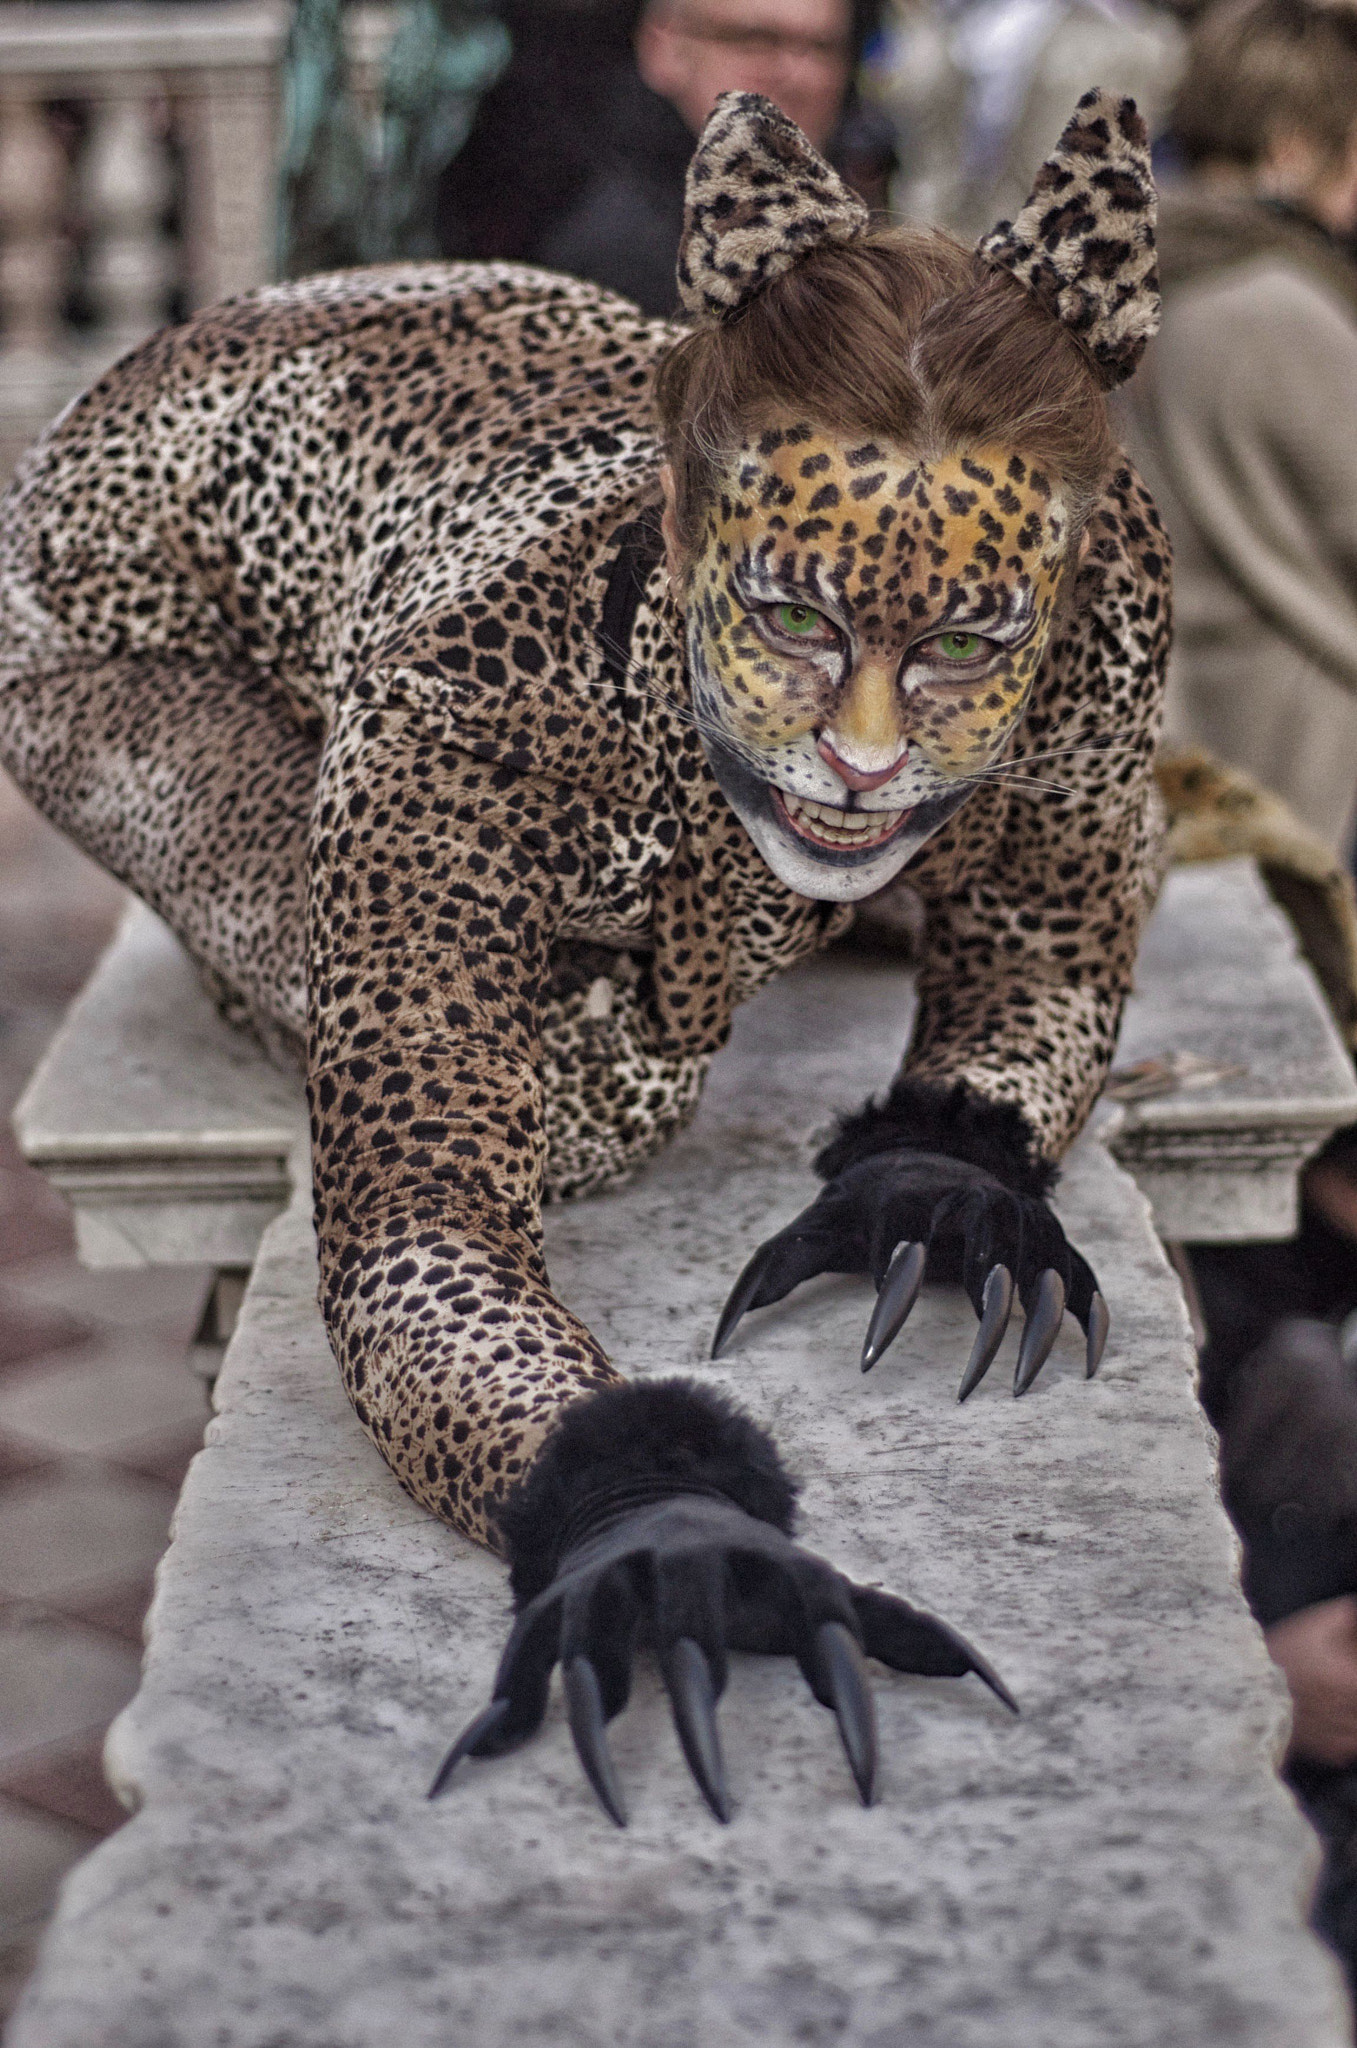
228	120
127	185
33	175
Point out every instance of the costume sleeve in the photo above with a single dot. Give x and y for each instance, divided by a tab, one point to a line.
436	884
1253	380
1036	896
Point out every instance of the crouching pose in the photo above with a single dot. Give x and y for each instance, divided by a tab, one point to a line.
493	687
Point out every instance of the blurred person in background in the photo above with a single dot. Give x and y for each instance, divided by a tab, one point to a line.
617	215
973	88
1243	418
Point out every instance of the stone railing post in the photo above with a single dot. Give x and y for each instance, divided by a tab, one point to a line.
228	119
126	186
213	69
33	174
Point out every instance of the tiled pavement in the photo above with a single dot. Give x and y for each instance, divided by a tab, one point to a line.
99	1416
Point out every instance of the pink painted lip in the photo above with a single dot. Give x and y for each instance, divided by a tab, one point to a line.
834	845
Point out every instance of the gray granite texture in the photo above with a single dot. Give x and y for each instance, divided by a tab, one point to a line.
1120	1868
1219	976
167	1131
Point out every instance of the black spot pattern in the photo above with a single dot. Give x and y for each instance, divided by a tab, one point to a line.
300	636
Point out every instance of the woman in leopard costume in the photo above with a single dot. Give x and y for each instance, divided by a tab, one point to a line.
495	745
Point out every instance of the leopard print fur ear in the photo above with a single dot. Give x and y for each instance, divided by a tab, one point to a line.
758	196
1084	243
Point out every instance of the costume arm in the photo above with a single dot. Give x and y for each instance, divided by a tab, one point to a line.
436	883
1034	904
1036	898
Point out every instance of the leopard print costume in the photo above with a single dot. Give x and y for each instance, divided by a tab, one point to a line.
333	623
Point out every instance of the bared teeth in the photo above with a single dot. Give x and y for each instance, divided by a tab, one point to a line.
836	827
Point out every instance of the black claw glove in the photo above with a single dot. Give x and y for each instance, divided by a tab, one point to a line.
689	1573
899	1213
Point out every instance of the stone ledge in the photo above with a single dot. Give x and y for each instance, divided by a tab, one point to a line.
1220	976
1119	1867
168	1131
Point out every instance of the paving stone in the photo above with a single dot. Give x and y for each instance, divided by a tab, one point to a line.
121	1610
79	1531
29	1329
1120	1868
121	1393
161	1303
59	1680
17	1956
36	1851
68	1781
166	1456
17	1458
34	1221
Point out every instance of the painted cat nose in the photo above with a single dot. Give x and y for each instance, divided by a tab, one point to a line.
857	778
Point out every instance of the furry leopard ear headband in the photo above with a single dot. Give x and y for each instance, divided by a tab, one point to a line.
759	197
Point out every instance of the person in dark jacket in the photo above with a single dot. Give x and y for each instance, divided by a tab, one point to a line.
603	198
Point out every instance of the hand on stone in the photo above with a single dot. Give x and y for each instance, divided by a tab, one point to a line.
1317	1650
901	1214
692	1576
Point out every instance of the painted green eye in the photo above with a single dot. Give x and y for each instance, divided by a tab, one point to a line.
959	646
799	621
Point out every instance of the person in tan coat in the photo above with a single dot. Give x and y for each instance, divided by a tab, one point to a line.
1242	417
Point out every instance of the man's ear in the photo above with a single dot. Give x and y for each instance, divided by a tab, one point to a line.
1083	245
673	553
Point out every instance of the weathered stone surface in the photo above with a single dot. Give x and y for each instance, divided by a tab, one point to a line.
167	1131
1219	976
1118	1869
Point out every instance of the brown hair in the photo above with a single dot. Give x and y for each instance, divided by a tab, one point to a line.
904	334
1259	69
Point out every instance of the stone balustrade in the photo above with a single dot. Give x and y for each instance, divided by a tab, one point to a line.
1120	1865
118	124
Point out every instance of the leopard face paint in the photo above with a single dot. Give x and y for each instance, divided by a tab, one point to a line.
864	629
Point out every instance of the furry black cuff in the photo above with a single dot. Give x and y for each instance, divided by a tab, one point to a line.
643	1439
954	1121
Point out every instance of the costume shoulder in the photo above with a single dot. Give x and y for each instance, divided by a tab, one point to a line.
303	466
496	317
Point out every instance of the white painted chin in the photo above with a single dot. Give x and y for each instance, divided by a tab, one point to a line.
821	855
820	851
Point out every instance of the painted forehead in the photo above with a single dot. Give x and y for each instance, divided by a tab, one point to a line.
863	521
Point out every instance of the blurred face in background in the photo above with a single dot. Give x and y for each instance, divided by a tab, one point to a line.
1300	169
797	52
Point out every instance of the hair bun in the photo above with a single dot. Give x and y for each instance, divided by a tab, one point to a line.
758	196
1084	243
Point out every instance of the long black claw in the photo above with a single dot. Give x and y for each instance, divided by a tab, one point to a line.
584	1704
899	1292
741	1295
996	1306
485	1723
692	1695
1099	1323
845	1678
1043	1327
981	1666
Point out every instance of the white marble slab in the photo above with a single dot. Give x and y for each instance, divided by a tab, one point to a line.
1220	976
167	1131
1118	1869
